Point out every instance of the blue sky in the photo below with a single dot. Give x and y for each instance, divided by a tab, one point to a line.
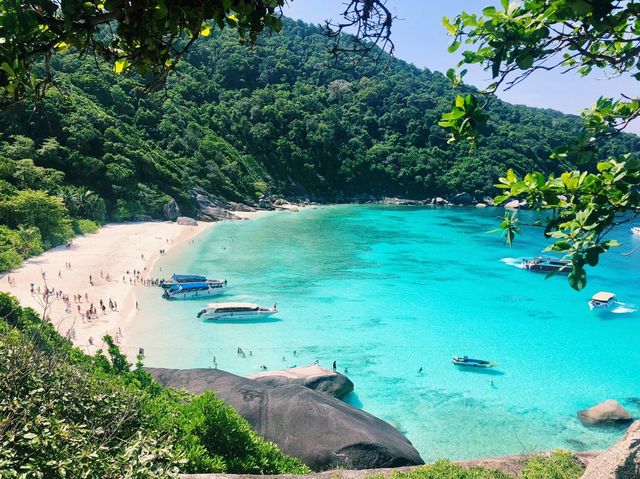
420	38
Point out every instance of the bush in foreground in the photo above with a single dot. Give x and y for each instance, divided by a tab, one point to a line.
66	414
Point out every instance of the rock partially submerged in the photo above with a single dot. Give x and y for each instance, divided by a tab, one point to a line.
620	461
609	411
313	377
186	221
318	429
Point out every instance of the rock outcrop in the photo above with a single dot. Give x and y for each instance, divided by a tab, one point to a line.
513	204
186	221
620	461
462	199
142	218
210	209
609	411
313	377
171	211
320	430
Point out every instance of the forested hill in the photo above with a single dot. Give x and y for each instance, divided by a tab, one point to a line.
279	117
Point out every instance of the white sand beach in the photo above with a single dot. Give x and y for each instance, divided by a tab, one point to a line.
107	259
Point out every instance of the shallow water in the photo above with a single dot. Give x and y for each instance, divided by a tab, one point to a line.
387	290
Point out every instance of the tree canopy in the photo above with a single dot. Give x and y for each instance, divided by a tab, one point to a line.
513	42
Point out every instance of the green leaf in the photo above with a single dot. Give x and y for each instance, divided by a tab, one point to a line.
577	277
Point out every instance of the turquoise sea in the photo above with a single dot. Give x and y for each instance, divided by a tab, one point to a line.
385	291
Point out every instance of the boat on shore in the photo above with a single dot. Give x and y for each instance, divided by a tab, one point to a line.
195	290
467	362
602	300
235	311
187	278
547	265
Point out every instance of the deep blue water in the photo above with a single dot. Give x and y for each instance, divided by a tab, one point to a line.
386	290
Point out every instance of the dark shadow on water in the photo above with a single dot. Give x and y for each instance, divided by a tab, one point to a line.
244	321
485	371
352	399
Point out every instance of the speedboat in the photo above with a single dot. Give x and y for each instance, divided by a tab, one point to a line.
636	230
602	300
195	290
222	311
472	363
547	265
187	278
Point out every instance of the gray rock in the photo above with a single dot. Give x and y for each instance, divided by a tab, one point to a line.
513	204
463	199
142	218
620	461
488	200
313	377
265	203
216	213
186	221
171	210
280	202
609	411
481	205
320	430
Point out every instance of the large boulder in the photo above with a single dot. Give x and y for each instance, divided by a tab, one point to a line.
265	203
609	411
186	221
512	205
171	210
620	461
320	430
216	213
462	199
313	377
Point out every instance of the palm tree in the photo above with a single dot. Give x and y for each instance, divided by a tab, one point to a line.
30	241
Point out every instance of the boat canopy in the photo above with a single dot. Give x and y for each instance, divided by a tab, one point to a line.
233	305
603	297
188	278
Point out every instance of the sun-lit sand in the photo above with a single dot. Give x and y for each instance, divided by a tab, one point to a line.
107	258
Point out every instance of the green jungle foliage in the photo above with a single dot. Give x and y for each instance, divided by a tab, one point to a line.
281	117
558	465
67	414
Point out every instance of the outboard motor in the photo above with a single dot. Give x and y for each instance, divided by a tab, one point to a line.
201	313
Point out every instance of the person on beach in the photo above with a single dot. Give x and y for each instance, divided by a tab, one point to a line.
334	367
91	340
137	305
420	370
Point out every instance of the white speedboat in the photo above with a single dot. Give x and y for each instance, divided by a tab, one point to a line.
195	290
235	311
636	230
602	300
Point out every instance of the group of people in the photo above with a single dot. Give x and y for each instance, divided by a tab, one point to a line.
11	281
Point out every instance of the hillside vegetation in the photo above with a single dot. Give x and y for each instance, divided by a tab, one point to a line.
281	117
67	414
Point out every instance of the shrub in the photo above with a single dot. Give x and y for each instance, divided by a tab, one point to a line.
10	259
558	465
67	414
447	470
84	226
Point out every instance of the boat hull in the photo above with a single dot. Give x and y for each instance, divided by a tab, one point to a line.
237	316
472	363
209	293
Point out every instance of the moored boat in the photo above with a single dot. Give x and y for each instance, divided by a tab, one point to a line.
187	278
472	363
546	265
235	311
195	290
602	300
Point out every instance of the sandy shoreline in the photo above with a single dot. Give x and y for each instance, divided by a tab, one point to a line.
109	257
